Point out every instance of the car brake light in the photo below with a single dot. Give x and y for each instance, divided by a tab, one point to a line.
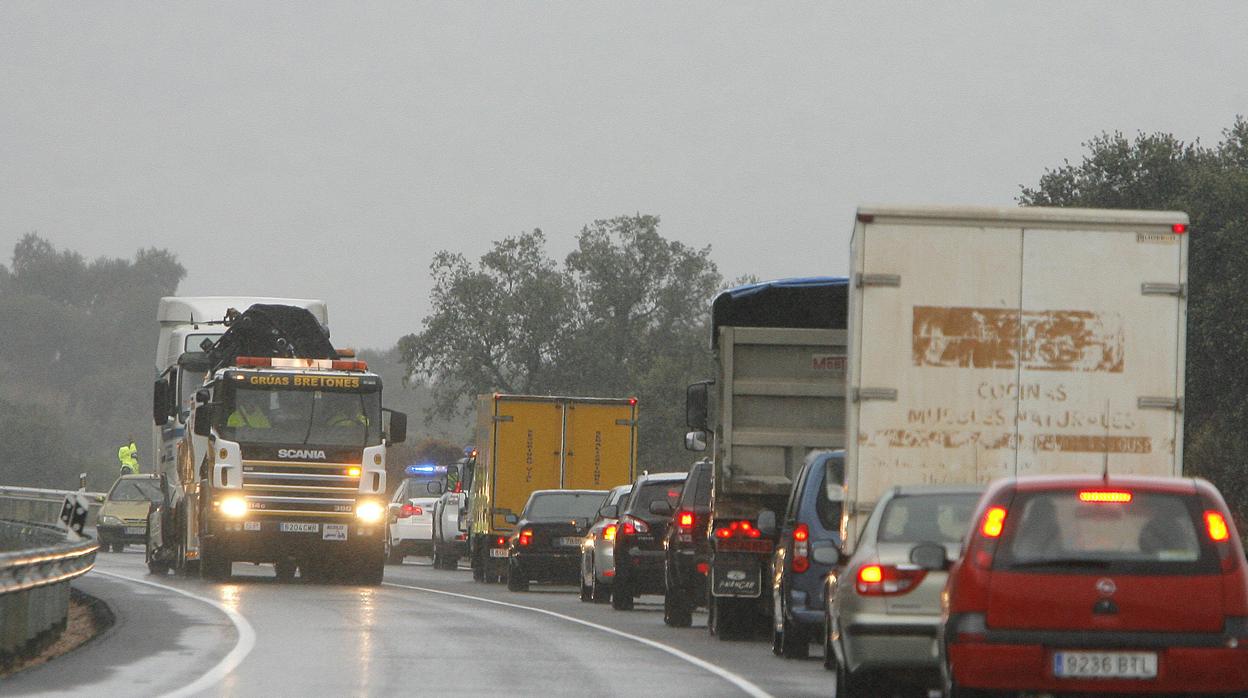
994	522
501	541
887	580
801	548
1216	525
526	536
704	567
632	526
608	533
685	520
410	510
1104	497
1178	228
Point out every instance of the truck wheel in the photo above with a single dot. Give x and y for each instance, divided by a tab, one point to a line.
285	570
159	569
393	556
370	571
676	611
516	581
119	547
452	563
437	559
621	595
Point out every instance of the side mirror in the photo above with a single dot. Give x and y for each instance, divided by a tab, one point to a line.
929	556
203	419
610	511
511	519
434	487
398	427
696	402
695	441
660	507
160	402
202	396
767	522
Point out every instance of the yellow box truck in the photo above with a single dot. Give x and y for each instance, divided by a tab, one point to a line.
527	443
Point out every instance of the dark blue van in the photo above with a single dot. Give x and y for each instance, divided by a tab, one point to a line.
812	520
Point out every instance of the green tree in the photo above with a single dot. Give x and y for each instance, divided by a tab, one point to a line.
1159	171
496	325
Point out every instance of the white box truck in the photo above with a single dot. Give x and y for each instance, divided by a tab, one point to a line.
991	342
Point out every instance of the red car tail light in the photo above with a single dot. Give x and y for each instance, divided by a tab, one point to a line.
1215	524
526	536
500	542
608	533
801	548
1105	497
632	525
684	520
410	509
994	522
887	580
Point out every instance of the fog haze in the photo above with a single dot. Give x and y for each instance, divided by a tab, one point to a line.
327	150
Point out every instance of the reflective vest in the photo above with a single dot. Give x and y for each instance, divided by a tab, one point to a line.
243	417
126	454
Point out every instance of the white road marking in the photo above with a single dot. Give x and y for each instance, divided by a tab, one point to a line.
734	679
228	663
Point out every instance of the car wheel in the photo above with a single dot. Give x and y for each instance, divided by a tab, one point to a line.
676	611
285	570
516	581
214	566
587	592
953	690
621	595
599	593
393	556
829	658
790	641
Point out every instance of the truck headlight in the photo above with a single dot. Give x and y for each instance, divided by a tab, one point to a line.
369	511
234	507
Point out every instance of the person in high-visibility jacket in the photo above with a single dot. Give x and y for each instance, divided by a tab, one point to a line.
128	455
248	412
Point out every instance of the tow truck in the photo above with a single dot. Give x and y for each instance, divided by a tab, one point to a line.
284	460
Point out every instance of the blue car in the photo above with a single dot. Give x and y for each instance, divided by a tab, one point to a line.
812	520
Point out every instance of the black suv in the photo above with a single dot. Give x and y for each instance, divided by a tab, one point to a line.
546	545
643	522
687	549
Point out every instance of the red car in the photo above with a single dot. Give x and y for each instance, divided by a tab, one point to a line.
1098	585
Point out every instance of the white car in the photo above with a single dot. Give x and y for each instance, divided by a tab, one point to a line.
410	529
598	551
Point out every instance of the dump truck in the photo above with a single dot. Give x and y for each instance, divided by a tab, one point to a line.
283	457
778	395
527	443
993	342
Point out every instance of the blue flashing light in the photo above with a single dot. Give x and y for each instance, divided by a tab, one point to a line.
424	469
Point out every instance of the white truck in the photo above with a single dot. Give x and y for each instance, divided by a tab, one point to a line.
186	322
992	342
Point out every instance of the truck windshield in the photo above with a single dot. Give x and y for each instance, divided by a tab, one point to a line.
562	505
261	415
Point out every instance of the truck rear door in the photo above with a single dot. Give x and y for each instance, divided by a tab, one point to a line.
1101	368
527	446
601	443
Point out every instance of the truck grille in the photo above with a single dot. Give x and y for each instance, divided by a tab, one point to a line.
310	489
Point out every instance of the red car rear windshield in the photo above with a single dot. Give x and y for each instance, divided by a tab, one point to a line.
1136	532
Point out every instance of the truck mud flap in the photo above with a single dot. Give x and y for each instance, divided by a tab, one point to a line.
737	577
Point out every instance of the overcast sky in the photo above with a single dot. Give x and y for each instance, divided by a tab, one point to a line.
326	150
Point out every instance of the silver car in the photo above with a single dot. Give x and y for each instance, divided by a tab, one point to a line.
884	602
598	551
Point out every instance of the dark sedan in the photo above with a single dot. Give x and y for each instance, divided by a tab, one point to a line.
546	545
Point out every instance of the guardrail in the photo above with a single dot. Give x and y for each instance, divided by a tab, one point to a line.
37	564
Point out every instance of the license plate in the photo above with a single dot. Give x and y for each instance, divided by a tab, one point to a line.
498	552
334	532
135	530
1105	665
288	527
251	525
570	542
737	581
